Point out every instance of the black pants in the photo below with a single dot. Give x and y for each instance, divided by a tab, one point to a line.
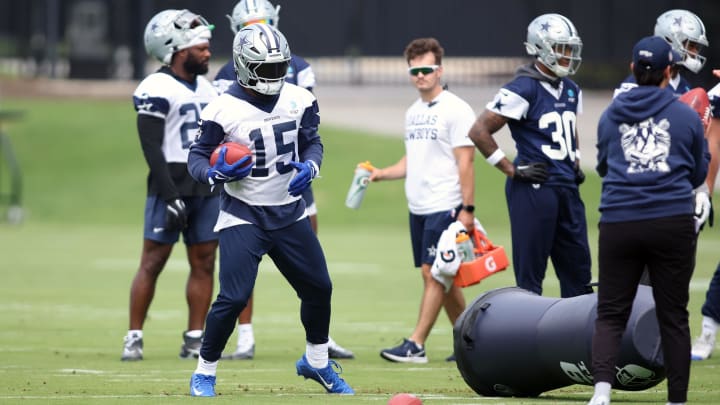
666	246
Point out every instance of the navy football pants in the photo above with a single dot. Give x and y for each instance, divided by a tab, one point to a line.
548	222
296	252
711	307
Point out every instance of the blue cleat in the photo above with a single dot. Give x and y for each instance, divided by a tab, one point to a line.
202	385
327	377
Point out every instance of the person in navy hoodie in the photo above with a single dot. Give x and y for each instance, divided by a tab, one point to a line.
652	153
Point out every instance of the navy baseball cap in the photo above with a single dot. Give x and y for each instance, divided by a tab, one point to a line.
652	54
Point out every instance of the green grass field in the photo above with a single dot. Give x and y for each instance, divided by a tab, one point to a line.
67	269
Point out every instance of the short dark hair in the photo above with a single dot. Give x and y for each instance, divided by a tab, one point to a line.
421	46
649	77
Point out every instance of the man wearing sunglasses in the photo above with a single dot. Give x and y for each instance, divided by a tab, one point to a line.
439	185
540	105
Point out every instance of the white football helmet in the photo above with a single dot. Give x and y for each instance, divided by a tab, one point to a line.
681	28
261	55
552	37
253	11
170	31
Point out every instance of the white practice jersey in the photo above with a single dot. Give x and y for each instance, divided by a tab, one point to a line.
272	136
179	104
432	131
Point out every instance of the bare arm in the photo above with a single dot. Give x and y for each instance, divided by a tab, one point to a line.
464	156
481	134
394	172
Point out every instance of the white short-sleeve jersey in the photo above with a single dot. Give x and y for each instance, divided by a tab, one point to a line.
178	103
273	137
432	131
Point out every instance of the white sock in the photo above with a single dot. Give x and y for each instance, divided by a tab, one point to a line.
136	333
602	388
709	326
246	338
317	355
194	333
206	367
675	403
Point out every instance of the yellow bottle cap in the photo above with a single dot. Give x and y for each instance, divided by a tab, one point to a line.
366	165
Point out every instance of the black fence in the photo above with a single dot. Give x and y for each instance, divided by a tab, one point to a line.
103	38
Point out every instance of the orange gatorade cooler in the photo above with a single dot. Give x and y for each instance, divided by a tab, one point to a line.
489	259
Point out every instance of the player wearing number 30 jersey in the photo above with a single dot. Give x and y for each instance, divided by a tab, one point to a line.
540	106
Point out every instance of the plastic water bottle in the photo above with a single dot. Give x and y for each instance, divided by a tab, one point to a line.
465	247
359	185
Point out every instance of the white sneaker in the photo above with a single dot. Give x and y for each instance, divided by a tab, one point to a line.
599	400
703	346
335	351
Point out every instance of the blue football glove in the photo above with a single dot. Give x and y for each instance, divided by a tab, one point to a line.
307	171
222	172
175	215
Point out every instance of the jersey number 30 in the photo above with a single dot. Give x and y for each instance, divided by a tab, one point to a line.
563	135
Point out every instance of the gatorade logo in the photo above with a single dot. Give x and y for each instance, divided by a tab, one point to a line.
490	264
447	256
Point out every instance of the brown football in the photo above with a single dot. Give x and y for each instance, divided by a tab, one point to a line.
235	152
698	100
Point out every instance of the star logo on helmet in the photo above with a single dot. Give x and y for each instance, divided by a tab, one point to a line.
677	21
245	41
545	27
154	27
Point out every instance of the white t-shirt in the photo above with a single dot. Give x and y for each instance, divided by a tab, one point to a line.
432	131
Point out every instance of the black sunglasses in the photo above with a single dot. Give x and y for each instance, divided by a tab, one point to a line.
425	70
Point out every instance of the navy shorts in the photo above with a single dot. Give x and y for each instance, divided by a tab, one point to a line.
425	231
202	216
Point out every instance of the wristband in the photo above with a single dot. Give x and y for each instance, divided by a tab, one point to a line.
577	154
495	157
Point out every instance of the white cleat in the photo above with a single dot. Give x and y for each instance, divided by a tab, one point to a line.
599	400
703	346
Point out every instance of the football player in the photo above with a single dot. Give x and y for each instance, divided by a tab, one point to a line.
704	344
261	210
168	104
540	106
300	73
